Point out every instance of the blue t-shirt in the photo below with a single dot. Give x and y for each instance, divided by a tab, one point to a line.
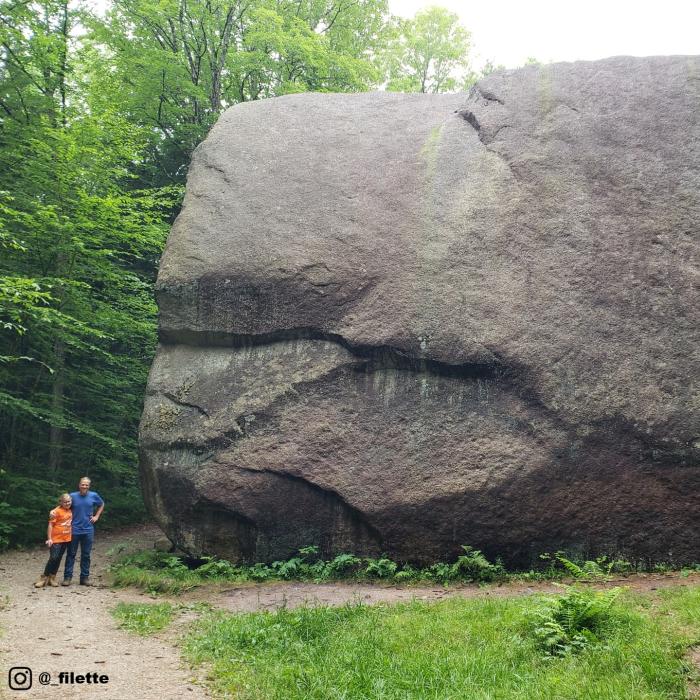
83	507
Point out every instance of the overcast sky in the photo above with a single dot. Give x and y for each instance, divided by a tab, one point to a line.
508	31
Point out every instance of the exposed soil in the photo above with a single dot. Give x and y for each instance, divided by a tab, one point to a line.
693	658
71	629
272	596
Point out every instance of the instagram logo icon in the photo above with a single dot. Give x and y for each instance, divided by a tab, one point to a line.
20	678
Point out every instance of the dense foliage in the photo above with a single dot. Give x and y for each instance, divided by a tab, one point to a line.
99	114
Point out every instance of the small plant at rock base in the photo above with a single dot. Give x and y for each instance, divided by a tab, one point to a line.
439	572
342	564
407	573
573	621
380	568
662	567
598	569
260	572
216	568
310	550
289	569
474	566
175	566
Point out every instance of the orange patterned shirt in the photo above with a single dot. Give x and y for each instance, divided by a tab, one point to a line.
61	520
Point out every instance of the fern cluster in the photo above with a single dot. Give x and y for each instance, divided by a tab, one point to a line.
161	572
573	621
599	569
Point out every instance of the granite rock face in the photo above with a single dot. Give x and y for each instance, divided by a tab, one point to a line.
402	323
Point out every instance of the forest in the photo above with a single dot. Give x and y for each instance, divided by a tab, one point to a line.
100	110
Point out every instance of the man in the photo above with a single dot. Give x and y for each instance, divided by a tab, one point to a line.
84	518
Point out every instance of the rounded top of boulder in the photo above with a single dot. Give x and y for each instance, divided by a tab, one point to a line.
545	223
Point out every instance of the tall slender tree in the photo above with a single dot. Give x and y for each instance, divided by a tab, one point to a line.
429	53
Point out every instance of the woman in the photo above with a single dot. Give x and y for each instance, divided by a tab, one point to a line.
58	538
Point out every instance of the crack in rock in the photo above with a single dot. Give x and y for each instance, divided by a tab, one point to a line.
487	138
211	166
492	365
180	402
487	94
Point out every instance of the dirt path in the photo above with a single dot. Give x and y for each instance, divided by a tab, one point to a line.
272	596
71	629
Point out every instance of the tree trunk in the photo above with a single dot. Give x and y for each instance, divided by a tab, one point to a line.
57	403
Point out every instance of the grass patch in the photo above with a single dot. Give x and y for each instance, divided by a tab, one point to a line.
477	649
143	618
155	572
680	606
153	581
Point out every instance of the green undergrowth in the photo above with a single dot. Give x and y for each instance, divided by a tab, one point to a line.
161	572
574	621
609	645
148	618
143	618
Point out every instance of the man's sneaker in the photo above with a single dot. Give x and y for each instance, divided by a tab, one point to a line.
66	581
85	582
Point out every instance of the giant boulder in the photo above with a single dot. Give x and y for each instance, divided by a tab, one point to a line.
402	323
